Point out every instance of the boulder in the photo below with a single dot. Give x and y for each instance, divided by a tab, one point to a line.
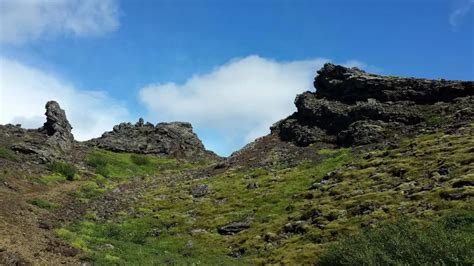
200	190
233	228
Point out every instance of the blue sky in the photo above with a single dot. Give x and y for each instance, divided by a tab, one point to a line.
231	68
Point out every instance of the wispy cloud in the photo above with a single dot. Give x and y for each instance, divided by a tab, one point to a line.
27	20
458	14
24	90
236	102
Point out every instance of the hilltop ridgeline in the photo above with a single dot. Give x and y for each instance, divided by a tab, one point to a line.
54	139
352	107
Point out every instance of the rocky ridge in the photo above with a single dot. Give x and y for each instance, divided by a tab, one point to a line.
352	107
54	140
176	139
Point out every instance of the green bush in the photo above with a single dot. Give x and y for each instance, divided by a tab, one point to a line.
8	154
408	243
66	169
139	159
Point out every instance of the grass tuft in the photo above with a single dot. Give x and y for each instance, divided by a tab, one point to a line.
8	154
43	204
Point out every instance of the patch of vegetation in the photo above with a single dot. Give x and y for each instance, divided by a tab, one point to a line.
123	165
136	242
436	120
43	204
8	154
64	168
446	242
53	178
94	188
140	159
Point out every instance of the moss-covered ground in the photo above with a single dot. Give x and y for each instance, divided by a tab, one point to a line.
295	213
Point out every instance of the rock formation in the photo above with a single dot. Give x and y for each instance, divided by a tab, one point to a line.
351	107
176	139
53	140
57	127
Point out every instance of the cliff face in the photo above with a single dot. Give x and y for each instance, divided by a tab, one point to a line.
352	107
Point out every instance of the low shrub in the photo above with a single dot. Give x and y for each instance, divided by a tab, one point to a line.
408	243
66	169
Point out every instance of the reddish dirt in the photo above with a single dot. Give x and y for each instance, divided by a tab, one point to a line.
26	237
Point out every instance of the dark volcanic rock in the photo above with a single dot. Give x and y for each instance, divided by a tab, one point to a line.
53	140
57	127
235	227
352	107
352	84
176	139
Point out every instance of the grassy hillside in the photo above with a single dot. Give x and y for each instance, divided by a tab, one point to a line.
181	213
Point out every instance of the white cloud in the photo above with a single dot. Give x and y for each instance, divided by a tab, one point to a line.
26	20
457	15
25	90
239	100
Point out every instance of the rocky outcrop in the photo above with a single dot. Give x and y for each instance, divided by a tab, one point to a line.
352	107
352	84
176	139
53	140
57	127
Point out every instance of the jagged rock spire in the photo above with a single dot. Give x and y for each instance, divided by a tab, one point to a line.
57	127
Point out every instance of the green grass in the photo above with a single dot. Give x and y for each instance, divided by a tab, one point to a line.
66	169
167	209
52	179
140	159
8	154
446	242
366	189
124	165
43	204
133	243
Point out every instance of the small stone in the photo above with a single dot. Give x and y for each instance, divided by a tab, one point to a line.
252	186
45	225
444	170
155	232
200	190
108	246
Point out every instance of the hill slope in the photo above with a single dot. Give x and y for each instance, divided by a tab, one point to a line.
364	156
